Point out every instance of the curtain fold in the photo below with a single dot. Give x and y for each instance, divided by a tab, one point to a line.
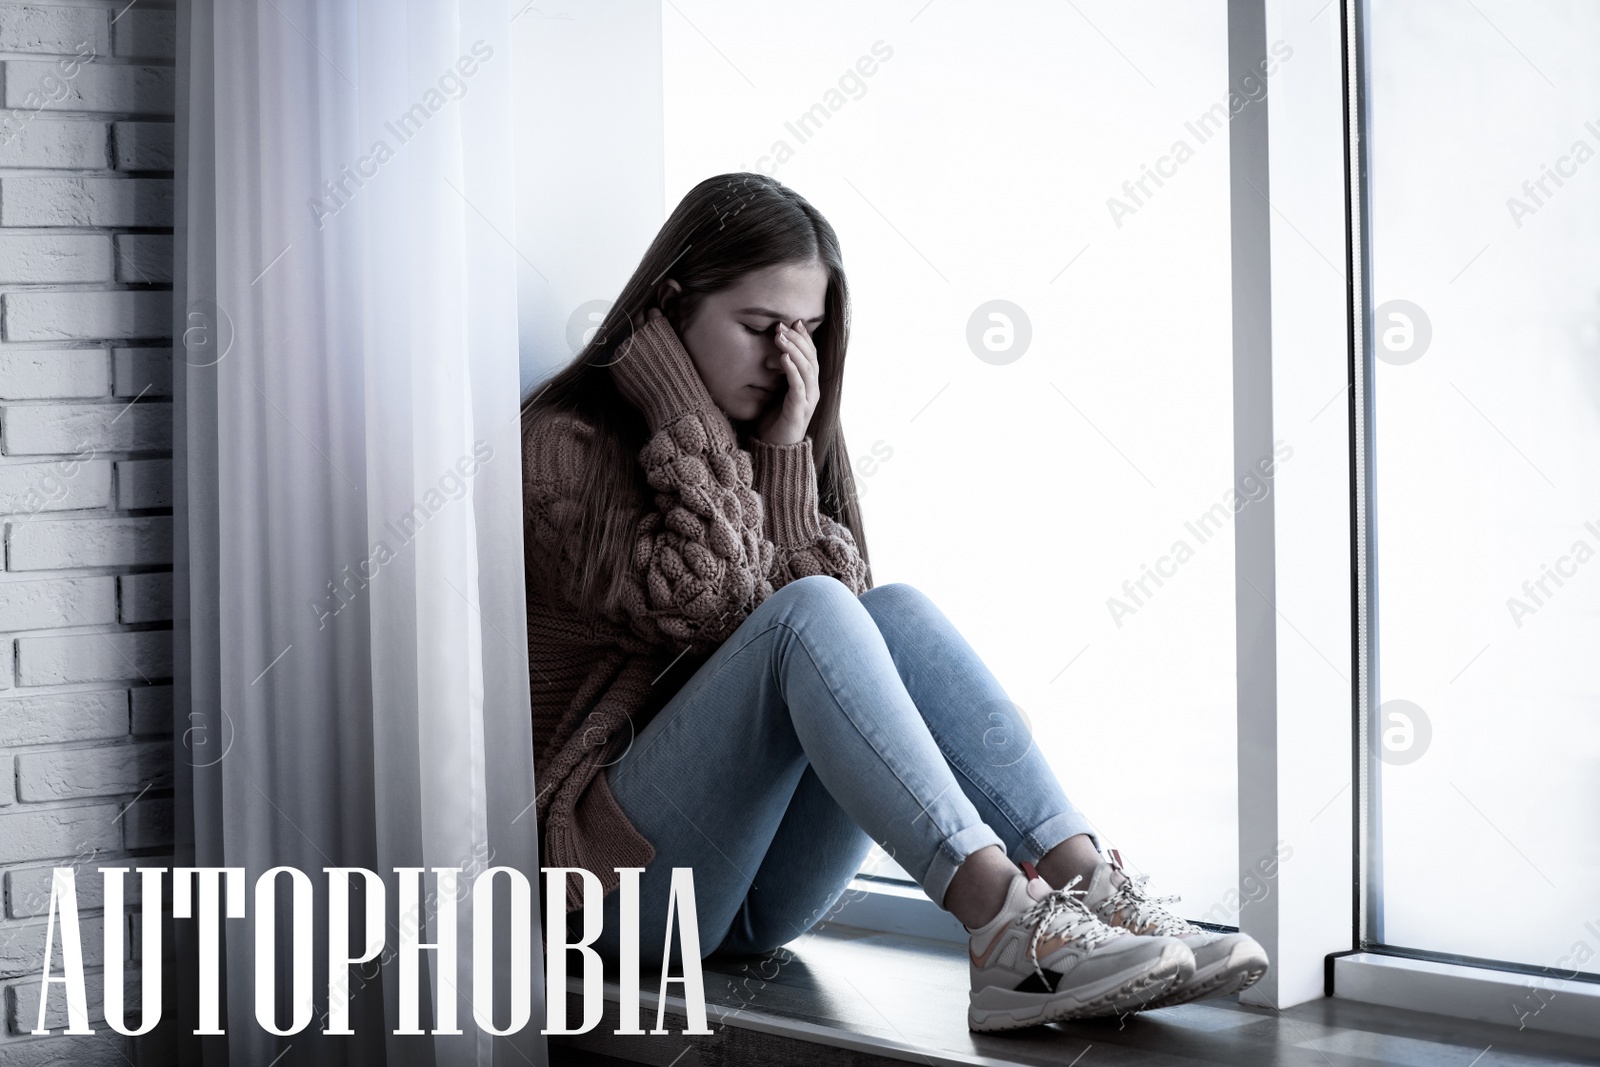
352	680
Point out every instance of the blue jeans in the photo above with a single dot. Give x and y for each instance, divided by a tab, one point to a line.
823	719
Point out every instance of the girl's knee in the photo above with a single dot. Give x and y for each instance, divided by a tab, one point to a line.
898	597
815	592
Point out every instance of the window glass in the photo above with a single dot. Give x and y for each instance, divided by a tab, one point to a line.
1485	199
1033	204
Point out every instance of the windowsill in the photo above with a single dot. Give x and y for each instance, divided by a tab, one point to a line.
1552	1005
895	908
846	996
900	908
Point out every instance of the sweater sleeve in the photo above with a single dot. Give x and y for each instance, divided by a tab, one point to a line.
805	541
701	562
554	452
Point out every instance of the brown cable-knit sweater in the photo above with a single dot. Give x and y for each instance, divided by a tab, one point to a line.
726	528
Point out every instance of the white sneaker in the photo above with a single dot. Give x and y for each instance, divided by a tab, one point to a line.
1224	963
1047	957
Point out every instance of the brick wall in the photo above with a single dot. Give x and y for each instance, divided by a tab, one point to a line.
85	487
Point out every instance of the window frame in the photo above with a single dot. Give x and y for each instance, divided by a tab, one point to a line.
1374	971
1295	914
1300	916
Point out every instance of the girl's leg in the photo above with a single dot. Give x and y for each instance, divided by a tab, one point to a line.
1012	786
806	680
981	735
996	762
817	850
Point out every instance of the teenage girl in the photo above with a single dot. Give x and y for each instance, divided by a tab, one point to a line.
717	683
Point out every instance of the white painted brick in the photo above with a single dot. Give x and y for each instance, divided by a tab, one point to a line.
55	30
147	823
54	544
79	773
105	1049
39	720
33	834
124	87
144	483
35	605
144	145
85	201
97	657
143	597
146	34
30	259
28	888
41	373
144	258
142	372
57	429
151	711
119	314
58	1049
28	489
22	946
55	144
128	134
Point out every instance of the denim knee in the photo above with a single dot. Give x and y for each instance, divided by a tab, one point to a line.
902	596
811	590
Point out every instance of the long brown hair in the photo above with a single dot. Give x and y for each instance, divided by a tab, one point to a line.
725	227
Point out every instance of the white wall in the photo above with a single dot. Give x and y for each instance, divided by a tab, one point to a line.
589	163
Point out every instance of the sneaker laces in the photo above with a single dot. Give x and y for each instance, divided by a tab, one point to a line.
1144	913
1063	912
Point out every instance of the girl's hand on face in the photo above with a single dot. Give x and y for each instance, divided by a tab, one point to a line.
785	422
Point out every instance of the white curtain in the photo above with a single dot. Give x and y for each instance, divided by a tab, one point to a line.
352	679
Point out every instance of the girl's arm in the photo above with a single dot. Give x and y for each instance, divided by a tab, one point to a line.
805	540
709	552
701	563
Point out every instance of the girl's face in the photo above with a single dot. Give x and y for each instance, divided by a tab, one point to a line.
731	335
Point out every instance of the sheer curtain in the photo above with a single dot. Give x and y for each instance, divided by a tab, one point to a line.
352	679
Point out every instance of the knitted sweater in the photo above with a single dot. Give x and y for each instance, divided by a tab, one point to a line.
726	528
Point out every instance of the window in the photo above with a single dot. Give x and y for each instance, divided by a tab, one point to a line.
1038	400
1485	264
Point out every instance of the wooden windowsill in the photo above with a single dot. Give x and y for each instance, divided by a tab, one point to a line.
845	997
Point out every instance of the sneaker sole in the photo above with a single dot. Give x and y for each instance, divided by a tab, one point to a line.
1238	972
1005	1009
